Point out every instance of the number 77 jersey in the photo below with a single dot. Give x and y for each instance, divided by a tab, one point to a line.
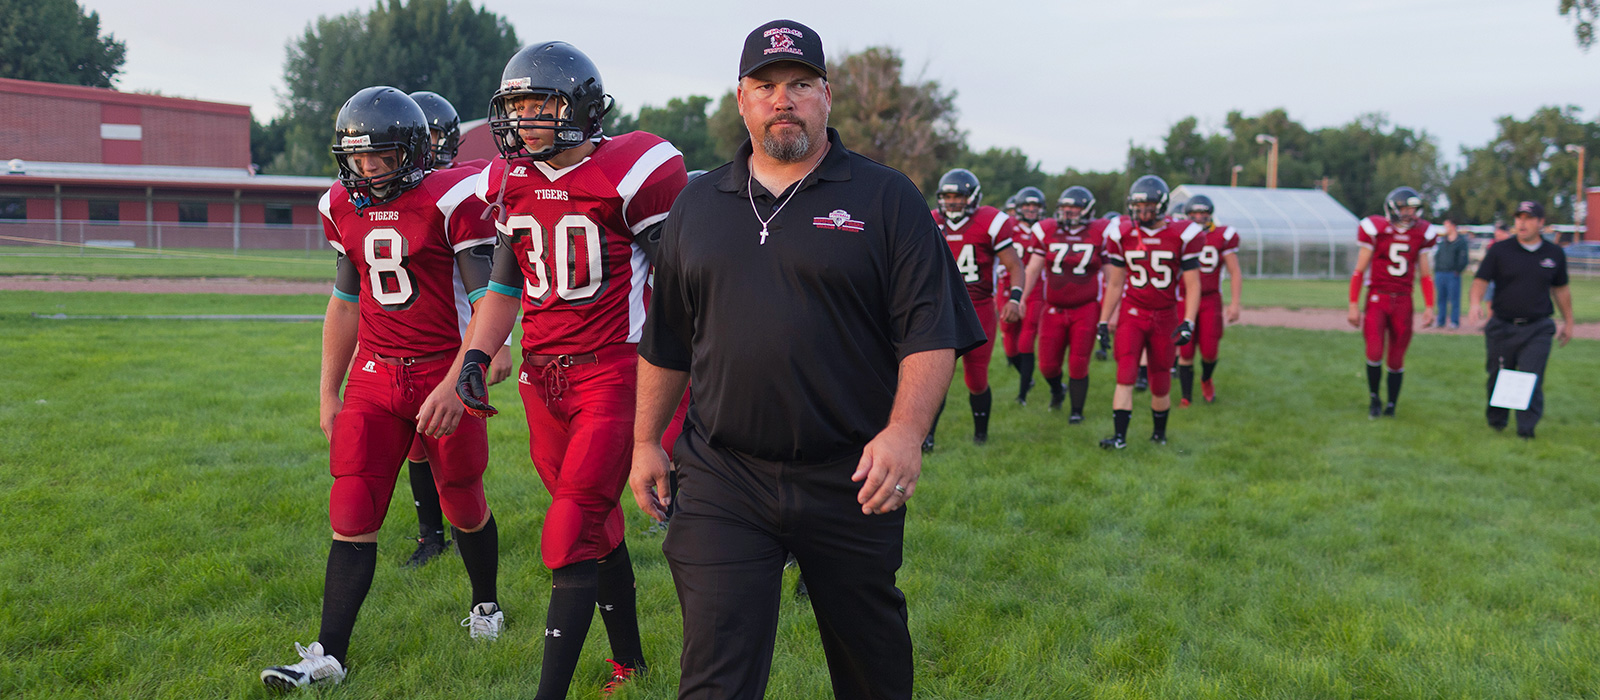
579	273
1394	253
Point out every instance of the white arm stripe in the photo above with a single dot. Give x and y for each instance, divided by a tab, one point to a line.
1002	246
453	197
483	182
470	243
325	205
642	169
1366	225
998	224
647	222
1190	232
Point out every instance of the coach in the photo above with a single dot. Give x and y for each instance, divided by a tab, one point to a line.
806	293
1527	272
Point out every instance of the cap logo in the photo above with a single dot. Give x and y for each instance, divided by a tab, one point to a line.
781	41
351	141
515	83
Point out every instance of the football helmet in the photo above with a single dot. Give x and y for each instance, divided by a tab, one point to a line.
1026	197
375	120
1201	205
1402	197
1148	190
1075	196
442	118
963	183
551	71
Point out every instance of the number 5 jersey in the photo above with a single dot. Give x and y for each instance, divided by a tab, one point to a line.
581	276
1394	252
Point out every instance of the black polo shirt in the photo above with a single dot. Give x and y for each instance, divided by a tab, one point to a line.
793	346
1523	278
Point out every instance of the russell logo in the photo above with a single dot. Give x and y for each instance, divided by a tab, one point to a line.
371	366
838	219
519	171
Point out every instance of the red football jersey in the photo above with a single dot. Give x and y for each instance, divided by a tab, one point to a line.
1219	241
1072	260
1394	253
1154	259
975	241
584	278
475	165
1027	237
412	299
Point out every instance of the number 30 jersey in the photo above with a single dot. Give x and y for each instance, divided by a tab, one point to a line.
579	273
412	298
1155	258
1394	252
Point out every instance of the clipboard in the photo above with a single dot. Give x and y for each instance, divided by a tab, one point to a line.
1513	389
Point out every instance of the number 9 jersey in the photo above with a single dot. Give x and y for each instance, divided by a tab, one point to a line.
412	298
570	237
1394	253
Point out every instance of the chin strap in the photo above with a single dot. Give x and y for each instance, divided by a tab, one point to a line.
1427	292
1355	287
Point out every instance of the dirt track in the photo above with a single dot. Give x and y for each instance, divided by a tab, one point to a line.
1308	319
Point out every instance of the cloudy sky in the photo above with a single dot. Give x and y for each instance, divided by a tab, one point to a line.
1071	83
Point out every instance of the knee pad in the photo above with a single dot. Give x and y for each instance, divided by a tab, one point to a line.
568	534
464	504
357	505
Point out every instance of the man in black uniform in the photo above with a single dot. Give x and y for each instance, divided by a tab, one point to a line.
1527	271
807	294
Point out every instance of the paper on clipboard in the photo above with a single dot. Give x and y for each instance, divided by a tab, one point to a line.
1513	389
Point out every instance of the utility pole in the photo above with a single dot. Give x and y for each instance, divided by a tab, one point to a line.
1580	206
1272	160
1234	181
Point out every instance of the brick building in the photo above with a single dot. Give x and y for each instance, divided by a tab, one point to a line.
81	164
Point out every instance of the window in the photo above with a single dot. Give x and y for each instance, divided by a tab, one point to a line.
104	210
13	208
192	212
279	215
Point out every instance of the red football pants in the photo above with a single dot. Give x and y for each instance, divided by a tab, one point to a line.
975	364
1207	330
373	433
1388	321
580	435
1018	337
1142	330
1068	329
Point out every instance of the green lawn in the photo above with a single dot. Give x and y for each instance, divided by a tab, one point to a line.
166	487
171	262
1335	294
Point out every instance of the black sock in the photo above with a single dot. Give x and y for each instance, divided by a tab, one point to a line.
1186	380
1374	375
430	518
1144	373
1119	420
1055	385
618	604
1079	390
566	625
1158	420
344	587
480	552
1395	378
935	427
1206	368
1025	369
980	411
1012	360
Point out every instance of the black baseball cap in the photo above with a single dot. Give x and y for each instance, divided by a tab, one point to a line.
1533	209
782	40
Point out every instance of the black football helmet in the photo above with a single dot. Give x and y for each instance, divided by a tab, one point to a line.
442	118
960	182
554	70
1402	197
1149	190
1199	205
1030	196
1075	196
376	119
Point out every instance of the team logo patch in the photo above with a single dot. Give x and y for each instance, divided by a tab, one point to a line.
781	41
839	219
519	171
1547	262
354	141
370	367
515	83
523	378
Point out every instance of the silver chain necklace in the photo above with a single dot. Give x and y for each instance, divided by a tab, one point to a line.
749	188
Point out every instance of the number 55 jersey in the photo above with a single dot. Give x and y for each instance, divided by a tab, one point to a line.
579	273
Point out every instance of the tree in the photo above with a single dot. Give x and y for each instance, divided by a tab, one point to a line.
684	123
54	41
1584	14
445	46
1527	160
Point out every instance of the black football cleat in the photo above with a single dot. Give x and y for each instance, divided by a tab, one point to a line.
427	549
1374	408
1100	355
1022	393
1388	411
1525	434
980	438
1158	438
1057	398
927	445
1075	419
1115	442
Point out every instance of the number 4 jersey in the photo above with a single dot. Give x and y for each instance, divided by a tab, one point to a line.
570	231
1394	253
412	296
1155	259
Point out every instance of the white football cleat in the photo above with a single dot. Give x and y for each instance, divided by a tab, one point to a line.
485	621
315	668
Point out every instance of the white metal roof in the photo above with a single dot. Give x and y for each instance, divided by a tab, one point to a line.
1274	212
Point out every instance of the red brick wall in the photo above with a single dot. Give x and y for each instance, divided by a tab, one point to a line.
130	210
219	213
306	215
75	209
166	211
252	213
61	123
186	138
41	208
49	129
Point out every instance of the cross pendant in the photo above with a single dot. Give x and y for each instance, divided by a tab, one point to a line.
763	235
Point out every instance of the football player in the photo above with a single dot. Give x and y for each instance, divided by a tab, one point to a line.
1150	256
444	137
978	235
413	256
1220	250
576	211
1017	337
1395	241
1068	252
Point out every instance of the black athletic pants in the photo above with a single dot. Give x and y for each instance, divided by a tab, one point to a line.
736	518
1524	348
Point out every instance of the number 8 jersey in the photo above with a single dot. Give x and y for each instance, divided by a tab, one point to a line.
570	234
412	297
1394	252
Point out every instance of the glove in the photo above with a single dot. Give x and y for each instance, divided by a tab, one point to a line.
1183	335
471	387
1103	331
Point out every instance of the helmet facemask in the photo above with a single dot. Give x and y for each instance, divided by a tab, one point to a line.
367	187
517	108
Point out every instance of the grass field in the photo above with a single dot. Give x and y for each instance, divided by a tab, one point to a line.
1335	294
171	262
166	495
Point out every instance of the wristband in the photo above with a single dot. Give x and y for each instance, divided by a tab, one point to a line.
1427	292
1016	294
476	356
1355	288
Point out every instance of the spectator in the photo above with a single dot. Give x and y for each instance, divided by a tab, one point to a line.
1448	264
